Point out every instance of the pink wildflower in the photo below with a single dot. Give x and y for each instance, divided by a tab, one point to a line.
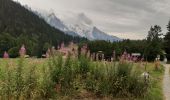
22	50
6	55
62	45
47	55
125	53
135	58
128	57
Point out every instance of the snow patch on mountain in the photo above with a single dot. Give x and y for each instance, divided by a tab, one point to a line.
79	25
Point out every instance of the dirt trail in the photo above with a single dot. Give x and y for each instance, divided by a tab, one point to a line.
166	82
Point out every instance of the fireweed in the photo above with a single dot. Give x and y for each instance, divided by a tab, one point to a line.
66	77
19	80
6	55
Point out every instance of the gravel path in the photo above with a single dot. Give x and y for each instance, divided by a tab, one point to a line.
166	82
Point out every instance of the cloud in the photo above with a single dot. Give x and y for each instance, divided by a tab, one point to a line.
83	17
131	18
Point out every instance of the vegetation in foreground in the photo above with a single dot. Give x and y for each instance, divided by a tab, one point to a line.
77	78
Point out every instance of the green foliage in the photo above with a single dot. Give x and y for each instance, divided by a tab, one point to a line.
47	84
84	65
13	52
98	45
31	83
46	47
154	43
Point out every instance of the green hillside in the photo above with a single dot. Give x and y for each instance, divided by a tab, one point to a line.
20	26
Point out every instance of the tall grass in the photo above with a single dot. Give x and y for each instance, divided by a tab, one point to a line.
19	80
61	77
117	80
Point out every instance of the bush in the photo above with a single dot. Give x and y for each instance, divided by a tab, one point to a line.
13	52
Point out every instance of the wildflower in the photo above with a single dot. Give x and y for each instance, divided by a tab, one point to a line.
125	53
129	57
5	55
22	51
47	55
62	45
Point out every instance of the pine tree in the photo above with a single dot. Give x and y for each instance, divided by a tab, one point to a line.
167	41
154	42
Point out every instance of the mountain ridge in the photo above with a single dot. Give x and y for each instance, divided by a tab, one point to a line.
82	28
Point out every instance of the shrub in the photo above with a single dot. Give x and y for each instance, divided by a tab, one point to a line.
84	65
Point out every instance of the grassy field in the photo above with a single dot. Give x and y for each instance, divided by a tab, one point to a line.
56	78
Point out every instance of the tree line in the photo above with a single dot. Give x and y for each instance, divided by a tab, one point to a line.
153	45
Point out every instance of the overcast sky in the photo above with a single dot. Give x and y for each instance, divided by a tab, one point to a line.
123	18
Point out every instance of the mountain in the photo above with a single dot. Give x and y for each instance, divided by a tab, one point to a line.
19	25
55	22
99	35
81	26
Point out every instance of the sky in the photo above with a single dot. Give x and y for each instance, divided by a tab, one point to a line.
129	19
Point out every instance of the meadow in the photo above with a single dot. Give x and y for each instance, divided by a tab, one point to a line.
78	78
